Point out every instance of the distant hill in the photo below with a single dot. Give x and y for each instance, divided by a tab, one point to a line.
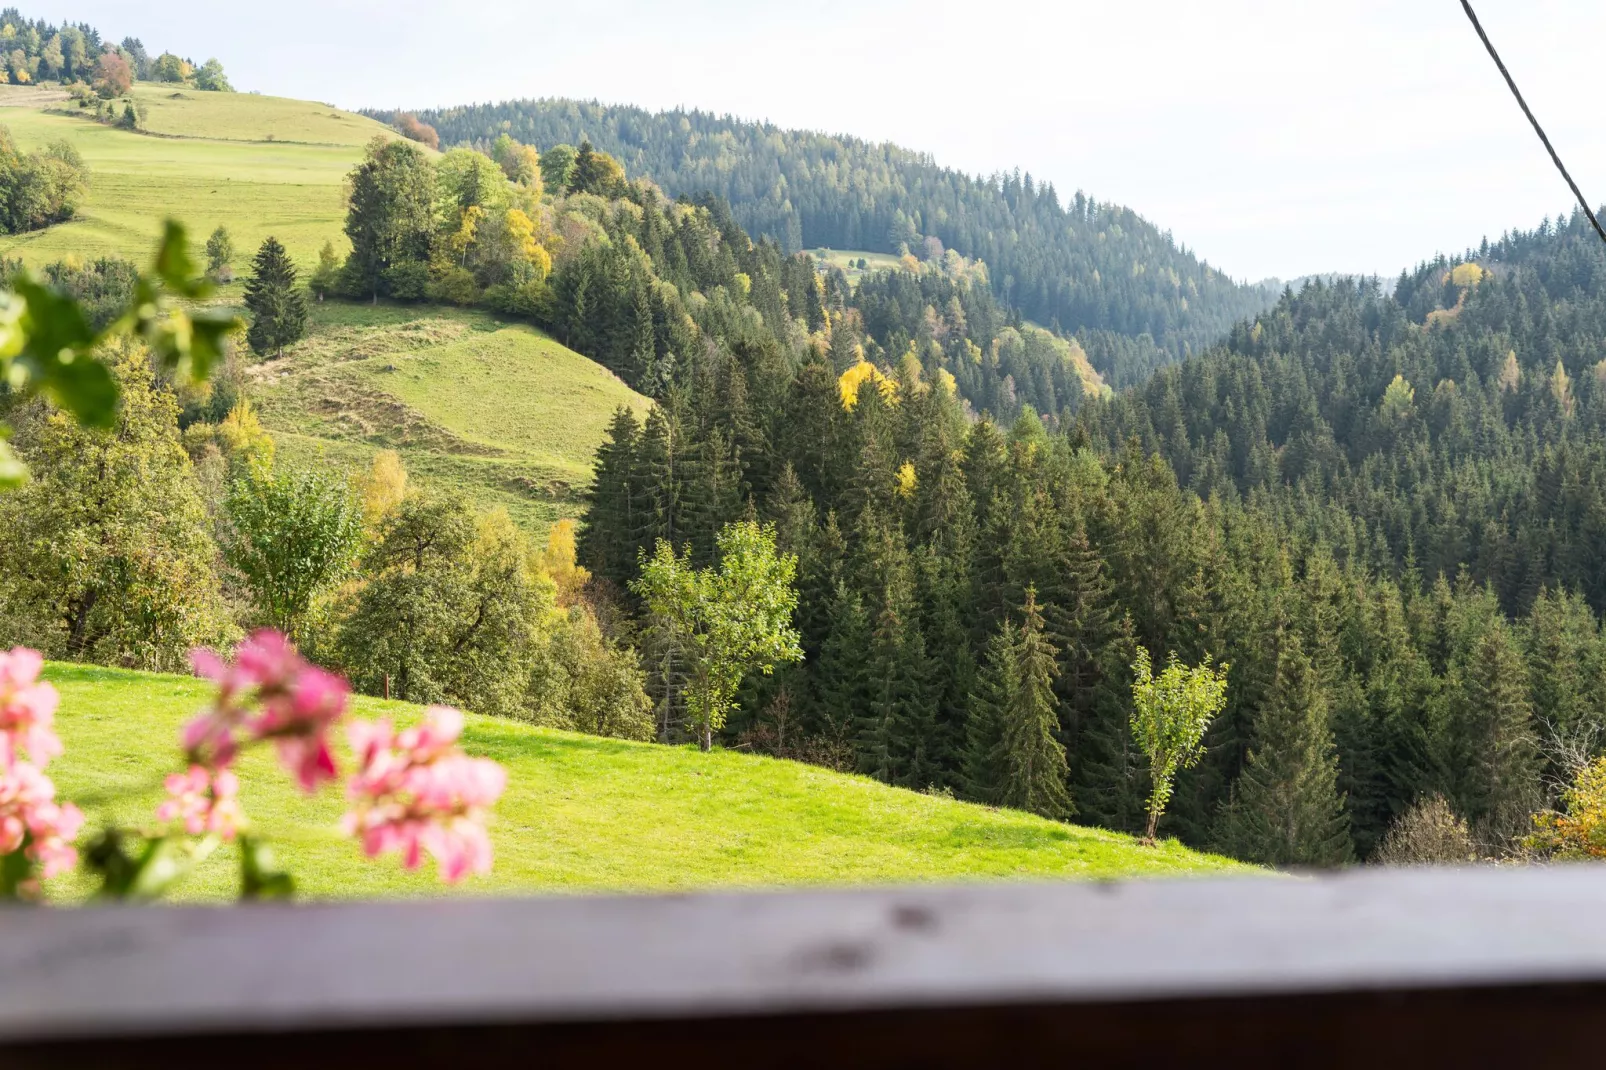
1072	262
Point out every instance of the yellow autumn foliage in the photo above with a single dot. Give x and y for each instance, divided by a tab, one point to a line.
558	562
855	377
382	488
908	481
1580	832
1466	276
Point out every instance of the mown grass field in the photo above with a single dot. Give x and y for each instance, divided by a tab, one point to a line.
256	165
499	411
848	259
589	814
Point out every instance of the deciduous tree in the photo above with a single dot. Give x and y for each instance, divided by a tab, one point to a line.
732	619
1170	715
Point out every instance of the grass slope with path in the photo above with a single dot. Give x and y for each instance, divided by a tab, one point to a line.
497	410
589	814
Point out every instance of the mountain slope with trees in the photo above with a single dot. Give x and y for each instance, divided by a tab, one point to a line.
1134	296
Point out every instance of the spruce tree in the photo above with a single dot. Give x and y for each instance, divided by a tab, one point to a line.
842	675
984	772
1492	725
1285	809
1032	760
278	309
607	536
1108	771
897	739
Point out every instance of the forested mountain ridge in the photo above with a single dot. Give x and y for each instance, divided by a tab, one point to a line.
1456	423
1084	266
1386	514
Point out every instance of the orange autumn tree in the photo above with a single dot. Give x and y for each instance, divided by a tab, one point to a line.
1579	832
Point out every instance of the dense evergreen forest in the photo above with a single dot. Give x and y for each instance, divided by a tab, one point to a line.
1384	513
1132	295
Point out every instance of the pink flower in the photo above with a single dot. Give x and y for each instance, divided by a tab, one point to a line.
27	709
295	704
32	820
298	718
416	792
203	801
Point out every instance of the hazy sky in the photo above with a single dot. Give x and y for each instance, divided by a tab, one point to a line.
1275	137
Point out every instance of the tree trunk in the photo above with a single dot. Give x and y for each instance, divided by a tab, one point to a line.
708	738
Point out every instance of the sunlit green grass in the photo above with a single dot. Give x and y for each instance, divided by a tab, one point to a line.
848	260
206	162
178	111
497	410
588	814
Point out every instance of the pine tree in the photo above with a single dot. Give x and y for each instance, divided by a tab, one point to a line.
984	776
1492	726
278	308
607	545
898	733
1285	809
1109	773
1031	760
842	676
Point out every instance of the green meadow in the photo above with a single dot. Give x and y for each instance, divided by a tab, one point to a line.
496	410
588	814
256	165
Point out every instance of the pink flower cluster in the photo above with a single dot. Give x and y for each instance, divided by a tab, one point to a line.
203	800
416	791
269	692
30	817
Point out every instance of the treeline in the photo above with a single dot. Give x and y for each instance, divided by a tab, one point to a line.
1406	590
1074	265
664	292
32	51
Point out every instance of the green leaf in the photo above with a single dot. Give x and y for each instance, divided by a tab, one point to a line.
175	267
161	864
260	875
55	355
15	869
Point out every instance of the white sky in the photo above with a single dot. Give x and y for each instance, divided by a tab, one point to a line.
1274	137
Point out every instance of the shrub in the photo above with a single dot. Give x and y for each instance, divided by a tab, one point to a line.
1428	834
407	282
454	286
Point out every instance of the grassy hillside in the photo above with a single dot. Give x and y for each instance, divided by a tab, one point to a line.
257	165
497	410
583	813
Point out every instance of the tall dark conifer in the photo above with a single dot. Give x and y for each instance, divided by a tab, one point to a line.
1031	758
1285	808
278	307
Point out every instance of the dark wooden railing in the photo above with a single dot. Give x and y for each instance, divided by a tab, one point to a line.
1369	968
